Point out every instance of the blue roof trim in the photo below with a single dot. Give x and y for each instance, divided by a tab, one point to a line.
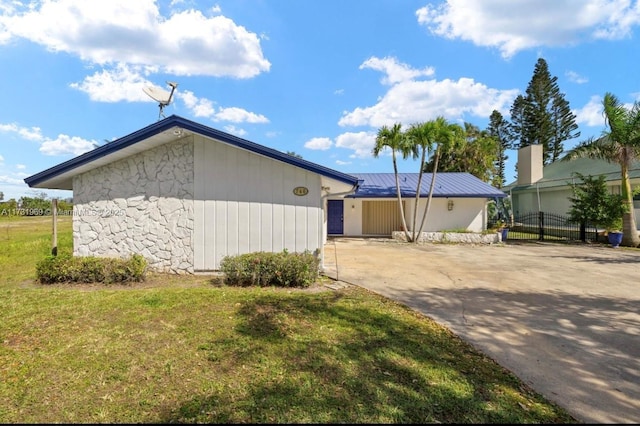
173	121
458	185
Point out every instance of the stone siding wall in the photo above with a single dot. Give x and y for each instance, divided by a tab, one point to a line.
141	204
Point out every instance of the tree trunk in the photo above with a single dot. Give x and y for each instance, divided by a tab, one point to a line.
630	236
418	191
431	187
400	206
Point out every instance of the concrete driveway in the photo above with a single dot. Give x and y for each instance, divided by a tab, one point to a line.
564	318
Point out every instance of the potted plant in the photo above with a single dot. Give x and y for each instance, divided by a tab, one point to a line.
613	231
502	228
611	220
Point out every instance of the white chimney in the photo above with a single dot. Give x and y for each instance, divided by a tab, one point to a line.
530	164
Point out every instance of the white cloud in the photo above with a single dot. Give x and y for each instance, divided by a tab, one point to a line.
1	159
239	115
416	101
20	166
412	100
574	77
134	32
591	113
321	144
512	26
28	133
235	130
11	181
123	83
361	143
202	107
64	144
343	163
199	107
395	72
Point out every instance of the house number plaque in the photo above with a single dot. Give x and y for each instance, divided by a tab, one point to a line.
301	190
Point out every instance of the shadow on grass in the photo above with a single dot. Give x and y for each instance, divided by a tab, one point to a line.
332	359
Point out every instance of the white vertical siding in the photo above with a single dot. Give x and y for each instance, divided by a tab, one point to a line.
244	203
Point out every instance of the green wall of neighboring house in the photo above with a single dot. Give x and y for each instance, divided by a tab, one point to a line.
549	190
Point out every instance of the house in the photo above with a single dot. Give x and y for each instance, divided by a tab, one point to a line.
548	188
185	195
459	202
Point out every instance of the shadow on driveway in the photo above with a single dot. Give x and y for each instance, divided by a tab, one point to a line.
563	318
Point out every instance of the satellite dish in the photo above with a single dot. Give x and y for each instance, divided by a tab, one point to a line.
161	96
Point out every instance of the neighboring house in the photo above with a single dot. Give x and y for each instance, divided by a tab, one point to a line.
460	201
185	195
548	188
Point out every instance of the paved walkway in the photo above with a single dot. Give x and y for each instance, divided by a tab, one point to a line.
564	318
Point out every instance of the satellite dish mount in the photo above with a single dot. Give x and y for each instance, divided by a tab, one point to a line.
161	96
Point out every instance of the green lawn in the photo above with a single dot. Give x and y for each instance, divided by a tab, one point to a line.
188	349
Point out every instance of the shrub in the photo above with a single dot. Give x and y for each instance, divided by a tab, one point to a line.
90	269
593	203
262	269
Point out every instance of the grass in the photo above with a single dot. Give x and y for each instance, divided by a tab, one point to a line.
188	349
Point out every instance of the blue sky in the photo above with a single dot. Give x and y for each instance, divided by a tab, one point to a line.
317	78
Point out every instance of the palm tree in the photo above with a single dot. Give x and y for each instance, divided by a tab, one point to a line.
420	137
619	144
443	135
394	139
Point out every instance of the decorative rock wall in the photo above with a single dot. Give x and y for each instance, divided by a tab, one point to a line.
452	237
141	204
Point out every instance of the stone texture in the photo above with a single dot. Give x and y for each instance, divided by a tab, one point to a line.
142	204
452	237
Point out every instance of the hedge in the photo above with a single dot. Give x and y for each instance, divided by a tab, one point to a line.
263	269
91	269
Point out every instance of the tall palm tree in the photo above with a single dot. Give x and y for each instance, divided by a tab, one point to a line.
394	139
444	135
420	137
620	143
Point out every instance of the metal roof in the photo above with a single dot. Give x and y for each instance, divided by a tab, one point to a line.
163	131
450	184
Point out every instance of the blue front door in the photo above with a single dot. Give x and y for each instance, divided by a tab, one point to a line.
335	212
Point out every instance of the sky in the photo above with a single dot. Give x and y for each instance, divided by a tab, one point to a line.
318	78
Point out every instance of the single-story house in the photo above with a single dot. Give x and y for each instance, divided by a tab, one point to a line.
548	188
459	202
185	195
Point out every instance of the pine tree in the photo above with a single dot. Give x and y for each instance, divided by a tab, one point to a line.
517	122
543	116
500	130
538	127
564	126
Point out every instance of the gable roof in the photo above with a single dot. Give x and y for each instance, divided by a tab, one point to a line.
562	173
163	131
450	184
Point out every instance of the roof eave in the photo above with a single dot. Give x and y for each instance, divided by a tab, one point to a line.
40	179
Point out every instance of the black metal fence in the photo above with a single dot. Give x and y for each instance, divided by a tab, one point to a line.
541	226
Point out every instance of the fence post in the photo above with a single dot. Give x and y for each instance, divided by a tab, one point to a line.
540	226
583	232
54	217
